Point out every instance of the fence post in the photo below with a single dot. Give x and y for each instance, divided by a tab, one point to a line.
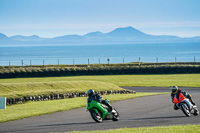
194	58
30	63
99	62
58	62
123	60
22	63
139	61
73	62
9	63
157	59
108	60
88	62
43	62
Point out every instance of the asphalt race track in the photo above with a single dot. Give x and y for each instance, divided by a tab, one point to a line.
138	112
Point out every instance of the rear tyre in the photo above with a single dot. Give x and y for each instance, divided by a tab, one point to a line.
185	110
196	112
115	115
96	116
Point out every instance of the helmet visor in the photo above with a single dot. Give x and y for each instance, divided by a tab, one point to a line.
174	90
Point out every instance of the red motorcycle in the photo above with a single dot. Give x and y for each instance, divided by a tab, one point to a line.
185	105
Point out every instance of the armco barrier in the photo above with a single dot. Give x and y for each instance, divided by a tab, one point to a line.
11	101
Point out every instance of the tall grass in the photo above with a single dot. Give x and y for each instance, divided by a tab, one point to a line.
162	80
13	90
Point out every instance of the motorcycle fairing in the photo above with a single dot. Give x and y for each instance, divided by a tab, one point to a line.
179	99
94	105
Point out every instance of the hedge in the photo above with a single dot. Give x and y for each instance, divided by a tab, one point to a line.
50	71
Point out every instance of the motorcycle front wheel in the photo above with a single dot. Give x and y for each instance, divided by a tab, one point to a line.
115	115
96	116
185	110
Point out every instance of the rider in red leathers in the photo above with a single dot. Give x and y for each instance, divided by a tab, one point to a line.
175	91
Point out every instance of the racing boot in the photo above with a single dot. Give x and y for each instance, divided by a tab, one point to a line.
175	107
190	98
109	106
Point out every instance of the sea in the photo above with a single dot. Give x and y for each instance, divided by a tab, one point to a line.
99	54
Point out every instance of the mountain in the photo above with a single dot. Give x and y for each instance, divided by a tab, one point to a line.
127	35
69	37
94	34
2	36
5	40
26	38
126	32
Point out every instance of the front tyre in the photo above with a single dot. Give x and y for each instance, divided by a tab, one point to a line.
96	116
115	115
185	110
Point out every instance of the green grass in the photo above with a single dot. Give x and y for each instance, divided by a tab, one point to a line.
30	109
161	129
184	80
12	90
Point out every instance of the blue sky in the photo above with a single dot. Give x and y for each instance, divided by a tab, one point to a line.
50	18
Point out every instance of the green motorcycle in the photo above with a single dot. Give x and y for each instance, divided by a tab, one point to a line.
101	112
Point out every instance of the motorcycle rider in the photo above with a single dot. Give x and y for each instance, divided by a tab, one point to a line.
175	91
94	96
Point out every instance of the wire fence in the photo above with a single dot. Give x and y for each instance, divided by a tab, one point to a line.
88	61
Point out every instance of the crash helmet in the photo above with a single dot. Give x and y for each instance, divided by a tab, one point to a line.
174	89
90	92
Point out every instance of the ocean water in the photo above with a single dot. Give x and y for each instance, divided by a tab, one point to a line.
95	54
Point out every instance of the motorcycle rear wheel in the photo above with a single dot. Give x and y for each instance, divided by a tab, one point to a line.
96	116
196	112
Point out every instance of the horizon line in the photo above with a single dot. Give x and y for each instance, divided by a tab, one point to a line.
100	32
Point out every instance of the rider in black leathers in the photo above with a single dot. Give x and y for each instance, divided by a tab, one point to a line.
93	96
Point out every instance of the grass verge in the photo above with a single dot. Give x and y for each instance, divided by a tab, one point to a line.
31	109
161	129
12	90
165	80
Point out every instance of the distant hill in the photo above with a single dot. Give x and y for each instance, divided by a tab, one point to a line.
6	40
127	35
126	32
2	36
26	38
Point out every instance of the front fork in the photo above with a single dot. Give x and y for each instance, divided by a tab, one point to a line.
187	104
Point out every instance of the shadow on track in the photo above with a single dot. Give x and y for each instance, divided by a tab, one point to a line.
66	124
35	128
154	118
87	123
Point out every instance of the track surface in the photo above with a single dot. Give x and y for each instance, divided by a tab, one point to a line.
138	112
